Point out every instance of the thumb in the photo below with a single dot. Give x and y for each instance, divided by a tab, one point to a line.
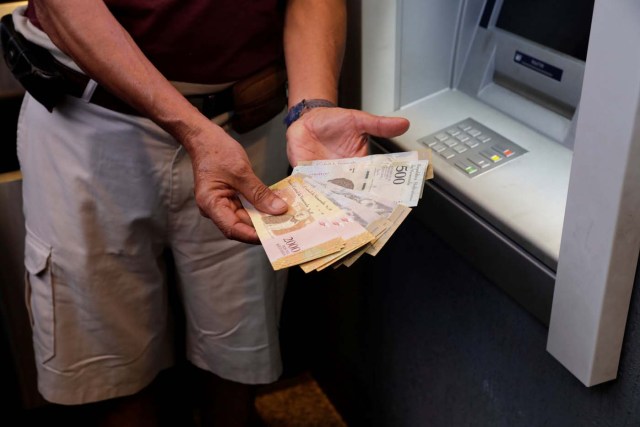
385	127
261	197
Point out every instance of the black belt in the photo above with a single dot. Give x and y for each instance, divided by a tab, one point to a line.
211	105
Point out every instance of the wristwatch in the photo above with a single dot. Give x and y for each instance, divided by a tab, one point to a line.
306	104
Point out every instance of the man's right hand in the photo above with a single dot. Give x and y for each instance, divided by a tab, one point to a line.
222	169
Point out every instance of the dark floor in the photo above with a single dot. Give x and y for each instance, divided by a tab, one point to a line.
291	402
297	402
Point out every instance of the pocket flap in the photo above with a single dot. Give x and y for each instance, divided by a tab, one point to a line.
36	254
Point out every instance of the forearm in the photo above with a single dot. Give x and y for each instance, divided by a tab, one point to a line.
87	32
314	40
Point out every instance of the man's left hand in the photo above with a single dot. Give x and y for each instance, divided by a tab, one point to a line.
334	133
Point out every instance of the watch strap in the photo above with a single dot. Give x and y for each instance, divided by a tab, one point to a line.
306	104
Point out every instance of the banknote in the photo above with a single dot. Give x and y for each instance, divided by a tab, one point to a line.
351	259
400	181
396	218
335	260
352	243
373	158
355	225
305	232
375	246
425	154
365	207
340	210
381	217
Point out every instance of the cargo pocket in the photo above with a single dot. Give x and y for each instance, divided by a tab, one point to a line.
40	296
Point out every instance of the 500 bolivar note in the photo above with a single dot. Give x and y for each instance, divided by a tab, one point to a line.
399	181
379	159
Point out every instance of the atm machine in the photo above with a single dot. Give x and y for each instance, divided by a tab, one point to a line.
498	110
506	94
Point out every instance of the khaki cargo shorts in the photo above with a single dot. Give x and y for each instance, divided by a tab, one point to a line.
104	195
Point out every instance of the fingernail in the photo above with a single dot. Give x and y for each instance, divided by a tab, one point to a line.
278	204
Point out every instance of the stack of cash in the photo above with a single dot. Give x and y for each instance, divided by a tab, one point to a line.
340	209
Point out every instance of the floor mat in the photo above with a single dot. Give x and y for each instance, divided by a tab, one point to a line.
297	402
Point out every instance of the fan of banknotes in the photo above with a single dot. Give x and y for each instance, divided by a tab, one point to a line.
340	209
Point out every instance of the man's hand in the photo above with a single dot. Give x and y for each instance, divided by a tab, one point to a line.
222	169
332	133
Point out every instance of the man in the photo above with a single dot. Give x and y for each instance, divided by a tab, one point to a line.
105	192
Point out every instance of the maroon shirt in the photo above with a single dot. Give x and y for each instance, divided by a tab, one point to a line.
202	41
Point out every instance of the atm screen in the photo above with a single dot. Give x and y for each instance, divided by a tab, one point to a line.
562	25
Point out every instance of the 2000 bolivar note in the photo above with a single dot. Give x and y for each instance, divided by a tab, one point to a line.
305	232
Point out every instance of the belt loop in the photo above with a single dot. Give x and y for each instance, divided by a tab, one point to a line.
88	90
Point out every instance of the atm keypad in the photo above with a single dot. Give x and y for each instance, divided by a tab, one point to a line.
472	147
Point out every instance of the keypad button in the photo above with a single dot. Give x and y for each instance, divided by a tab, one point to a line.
466	167
472	143
474	132
483	138
453	132
491	155
447	154
465	127
479	161
429	142
459	148
450	143
507	152
439	147
462	137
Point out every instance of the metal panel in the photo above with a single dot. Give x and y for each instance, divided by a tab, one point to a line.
601	234
379	52
505	263
428	31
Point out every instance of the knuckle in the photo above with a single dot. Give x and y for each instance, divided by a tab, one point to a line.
202	200
226	231
203	213
241	170
205	202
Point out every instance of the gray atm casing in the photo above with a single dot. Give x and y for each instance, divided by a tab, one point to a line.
430	61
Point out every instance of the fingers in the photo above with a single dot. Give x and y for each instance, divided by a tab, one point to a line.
385	127
261	197
231	218
244	217
228	214
240	232
217	183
